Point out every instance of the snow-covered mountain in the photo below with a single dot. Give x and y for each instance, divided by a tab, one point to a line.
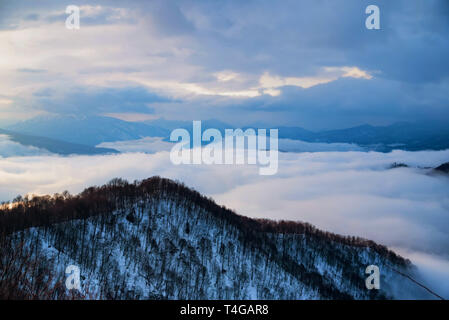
157	239
86	130
94	130
14	144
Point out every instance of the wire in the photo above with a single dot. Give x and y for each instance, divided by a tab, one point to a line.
419	284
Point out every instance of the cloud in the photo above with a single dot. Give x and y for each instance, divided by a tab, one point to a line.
351	193
251	55
349	102
5	101
146	145
27	70
269	83
433	268
324	188
289	145
155	144
98	100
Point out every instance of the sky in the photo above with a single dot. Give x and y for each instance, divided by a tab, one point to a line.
309	63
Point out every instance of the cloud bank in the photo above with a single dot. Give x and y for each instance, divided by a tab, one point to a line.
351	193
344	192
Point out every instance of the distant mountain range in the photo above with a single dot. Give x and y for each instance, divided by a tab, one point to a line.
403	135
54	145
91	130
158	239
94	130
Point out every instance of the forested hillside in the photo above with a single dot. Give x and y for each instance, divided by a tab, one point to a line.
158	239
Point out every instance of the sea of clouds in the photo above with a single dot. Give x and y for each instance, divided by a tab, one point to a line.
350	193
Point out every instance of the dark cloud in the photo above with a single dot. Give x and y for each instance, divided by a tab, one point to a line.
348	102
168	18
32	17
98	100
29	70
296	37
342	103
407	57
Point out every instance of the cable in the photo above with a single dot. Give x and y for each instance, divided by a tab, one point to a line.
419	284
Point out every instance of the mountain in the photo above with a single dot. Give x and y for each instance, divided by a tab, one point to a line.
174	124
94	130
158	239
296	133
87	130
444	168
53	145
402	135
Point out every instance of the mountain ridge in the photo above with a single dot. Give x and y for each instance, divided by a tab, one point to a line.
158	239
94	130
91	130
55	145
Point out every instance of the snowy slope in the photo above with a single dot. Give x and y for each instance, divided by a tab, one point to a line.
160	240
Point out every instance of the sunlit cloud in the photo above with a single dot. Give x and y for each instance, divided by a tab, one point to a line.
354	72
226	75
5	102
269	83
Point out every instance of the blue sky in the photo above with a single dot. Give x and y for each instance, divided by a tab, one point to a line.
303	63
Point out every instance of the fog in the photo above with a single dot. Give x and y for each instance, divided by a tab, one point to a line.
351	193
